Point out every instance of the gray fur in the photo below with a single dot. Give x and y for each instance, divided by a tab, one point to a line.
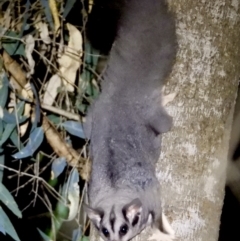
127	120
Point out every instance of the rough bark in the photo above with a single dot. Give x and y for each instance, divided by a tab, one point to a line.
194	156
191	168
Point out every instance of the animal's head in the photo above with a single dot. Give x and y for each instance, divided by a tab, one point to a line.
118	222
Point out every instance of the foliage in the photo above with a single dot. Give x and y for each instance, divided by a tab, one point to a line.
47	82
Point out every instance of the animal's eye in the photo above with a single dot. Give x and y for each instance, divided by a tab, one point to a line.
123	229
105	232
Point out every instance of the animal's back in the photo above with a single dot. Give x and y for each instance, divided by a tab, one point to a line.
127	120
124	142
145	47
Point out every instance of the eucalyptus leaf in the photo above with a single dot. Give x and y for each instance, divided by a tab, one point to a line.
11	118
45	4
3	90
74	128
20	108
16	140
25	18
7	225
44	236
54	119
85	238
58	166
7	133
2	226
35	140
9	127
12	46
68	6
7	198
76	234
2	124
72	193
90	59
82	107
2	161
62	211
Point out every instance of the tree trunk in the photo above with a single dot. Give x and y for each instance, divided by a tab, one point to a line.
192	165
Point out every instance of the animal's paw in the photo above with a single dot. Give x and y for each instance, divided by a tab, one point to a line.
169	234
167	98
157	235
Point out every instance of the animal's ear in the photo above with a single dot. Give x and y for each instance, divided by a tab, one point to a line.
132	210
160	122
94	214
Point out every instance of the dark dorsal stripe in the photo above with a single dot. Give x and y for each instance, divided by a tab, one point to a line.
112	218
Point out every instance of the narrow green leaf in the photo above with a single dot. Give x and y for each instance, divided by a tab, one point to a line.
7	198
71	191
35	140
68	6
44	236
7	133
11	118
12	46
1	128
45	4
85	238
58	166
16	140
76	234
54	119
7	225
3	90
2	161
74	128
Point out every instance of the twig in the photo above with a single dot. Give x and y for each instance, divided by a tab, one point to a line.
64	113
32	176
53	137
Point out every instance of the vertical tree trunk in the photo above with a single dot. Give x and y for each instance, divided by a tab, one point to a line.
194	155
192	165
